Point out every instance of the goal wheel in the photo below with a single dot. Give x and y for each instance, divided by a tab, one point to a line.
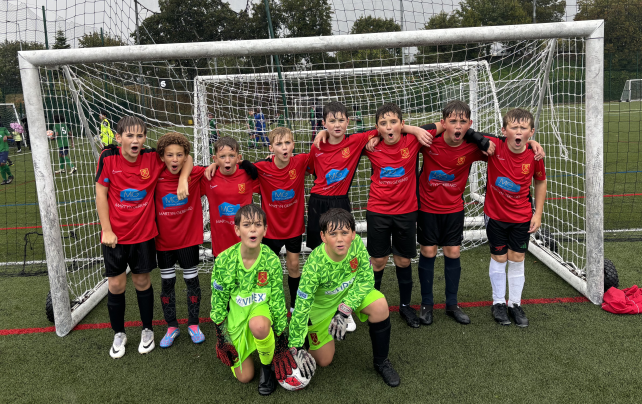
610	275
545	235
49	308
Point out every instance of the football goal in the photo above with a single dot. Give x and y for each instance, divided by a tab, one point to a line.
632	91
173	87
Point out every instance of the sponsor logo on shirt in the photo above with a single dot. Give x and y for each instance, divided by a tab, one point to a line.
227	209
302	295
391	172
441	176
461	160
216	286
132	195
114	171
106	180
262	278
213	186
317	154
241	188
340	288
405	153
335	175
526	168
433	152
253	298
345	153
354	264
171	200
292	174
282	195
506	184
144	173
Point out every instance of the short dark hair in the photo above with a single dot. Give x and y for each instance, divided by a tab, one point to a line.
227	141
336	218
518	115
249	211
334	107
130	122
171	138
388	108
456	107
59	118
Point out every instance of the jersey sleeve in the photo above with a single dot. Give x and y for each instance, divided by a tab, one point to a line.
277	298
540	171
304	300
103	170
363	281
364	137
222	282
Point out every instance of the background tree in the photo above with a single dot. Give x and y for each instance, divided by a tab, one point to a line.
93	40
303	18
371	57
478	13
61	40
9	69
547	10
443	53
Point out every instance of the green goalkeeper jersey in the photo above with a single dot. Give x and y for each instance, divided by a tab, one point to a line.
325	284
62	135
4	144
245	289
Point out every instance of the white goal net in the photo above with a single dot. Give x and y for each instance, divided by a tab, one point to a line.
632	91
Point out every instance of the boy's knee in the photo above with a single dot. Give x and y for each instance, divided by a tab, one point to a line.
116	284
244	377
378	310
452	251
379	263
401	262
142	281
499	258
324	362
260	327
516	256
429	251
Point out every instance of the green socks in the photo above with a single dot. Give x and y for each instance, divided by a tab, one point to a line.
265	348
6	172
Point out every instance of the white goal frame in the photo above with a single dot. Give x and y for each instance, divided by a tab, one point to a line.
591	31
626	92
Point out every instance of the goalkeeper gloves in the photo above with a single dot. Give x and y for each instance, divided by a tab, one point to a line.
283	358
225	351
249	168
304	361
478	138
339	322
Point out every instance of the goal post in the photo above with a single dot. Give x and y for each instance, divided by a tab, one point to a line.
632	91
575	207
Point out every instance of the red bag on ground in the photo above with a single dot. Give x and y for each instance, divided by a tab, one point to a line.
626	301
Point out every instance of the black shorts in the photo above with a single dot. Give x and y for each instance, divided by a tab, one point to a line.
318	205
402	228
292	245
140	257
187	257
503	236
440	229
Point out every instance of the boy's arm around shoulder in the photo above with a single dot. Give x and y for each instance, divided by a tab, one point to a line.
364	278
277	297
423	135
304	300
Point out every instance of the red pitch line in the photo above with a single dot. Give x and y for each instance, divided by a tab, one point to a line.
100	326
39	227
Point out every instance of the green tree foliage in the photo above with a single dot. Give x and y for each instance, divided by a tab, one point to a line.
302	18
9	69
443	53
477	13
94	40
61	40
547	10
371	57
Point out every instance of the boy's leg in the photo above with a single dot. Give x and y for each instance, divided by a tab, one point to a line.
317	205
517	246
498	243
115	267
293	250
322	345
452	230
427	236
379	232
142	261
188	260
404	242
260	325
166	261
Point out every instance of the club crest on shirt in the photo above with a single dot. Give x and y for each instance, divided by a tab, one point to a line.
345	153
292	174
144	173
354	264
189	179
262	278
242	188
314	338
526	168
405	153
539	173
461	160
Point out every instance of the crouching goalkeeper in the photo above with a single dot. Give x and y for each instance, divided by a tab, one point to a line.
337	280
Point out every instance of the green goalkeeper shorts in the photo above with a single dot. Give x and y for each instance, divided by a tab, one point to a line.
245	344
318	334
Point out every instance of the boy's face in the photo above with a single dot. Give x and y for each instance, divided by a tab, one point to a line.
174	157
517	134
226	159
251	231
338	240
455	127
336	124
282	148
389	126
131	141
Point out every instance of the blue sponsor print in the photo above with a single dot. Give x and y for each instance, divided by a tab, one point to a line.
302	295
282	195
171	200
335	175
227	209
506	184
439	175
217	286
391	172
106	180
132	195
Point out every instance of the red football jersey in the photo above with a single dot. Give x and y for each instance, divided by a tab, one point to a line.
180	222
283	197
225	195
131	193
393	189
509	181
444	175
335	164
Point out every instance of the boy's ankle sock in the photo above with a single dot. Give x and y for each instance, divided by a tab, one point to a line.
168	300
426	272
497	274
378	276
146	306
380	339
293	286
265	348
193	299
116	308
516	280
452	273
404	278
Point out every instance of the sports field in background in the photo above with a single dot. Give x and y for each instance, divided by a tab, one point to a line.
572	352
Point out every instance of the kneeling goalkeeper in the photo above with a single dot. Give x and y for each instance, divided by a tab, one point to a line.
337	279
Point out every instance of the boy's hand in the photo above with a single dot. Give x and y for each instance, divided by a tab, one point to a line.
339	322
372	143
536	222
4	138
322	135
491	149
225	350
537	149
422	135
209	171
283	359
304	361
183	189
109	239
